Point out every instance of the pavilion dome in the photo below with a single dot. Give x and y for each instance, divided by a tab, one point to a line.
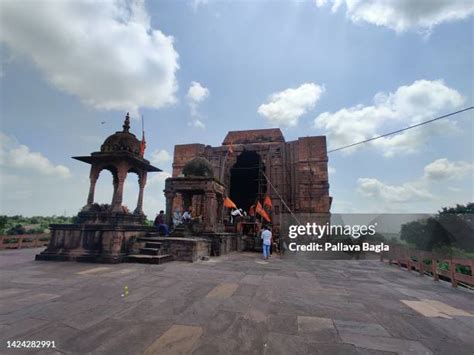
199	167
122	141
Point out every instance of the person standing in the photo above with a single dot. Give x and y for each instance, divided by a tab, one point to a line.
266	241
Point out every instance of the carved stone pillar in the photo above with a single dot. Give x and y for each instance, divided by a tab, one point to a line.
141	183
115	183
118	189
169	206
210	210
94	175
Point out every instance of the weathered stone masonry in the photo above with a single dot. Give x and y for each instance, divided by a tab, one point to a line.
297	169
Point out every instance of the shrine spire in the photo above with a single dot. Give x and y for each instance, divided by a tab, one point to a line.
126	123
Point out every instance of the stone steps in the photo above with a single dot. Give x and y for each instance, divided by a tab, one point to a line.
149	259
156	245
150	251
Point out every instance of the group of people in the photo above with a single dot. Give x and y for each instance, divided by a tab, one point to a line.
186	217
178	218
266	235
237	213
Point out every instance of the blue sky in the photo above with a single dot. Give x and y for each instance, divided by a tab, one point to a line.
309	67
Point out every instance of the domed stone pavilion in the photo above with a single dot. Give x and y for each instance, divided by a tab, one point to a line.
120	154
106	233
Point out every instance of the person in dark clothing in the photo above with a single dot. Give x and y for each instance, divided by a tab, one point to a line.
160	224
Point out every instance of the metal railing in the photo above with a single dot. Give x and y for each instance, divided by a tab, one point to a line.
24	241
432	264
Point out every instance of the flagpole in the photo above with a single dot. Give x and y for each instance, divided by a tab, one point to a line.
221	177
142	143
281	198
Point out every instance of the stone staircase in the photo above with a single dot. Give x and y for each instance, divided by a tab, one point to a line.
151	251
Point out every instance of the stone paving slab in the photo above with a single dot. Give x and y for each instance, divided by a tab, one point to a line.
234	304
177	340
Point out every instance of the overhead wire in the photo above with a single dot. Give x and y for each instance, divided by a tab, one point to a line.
401	130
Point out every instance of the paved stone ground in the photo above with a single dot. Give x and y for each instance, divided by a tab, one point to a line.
232	304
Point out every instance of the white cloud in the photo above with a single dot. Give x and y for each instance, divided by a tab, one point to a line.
196	94
331	170
104	52
418	189
30	185
158	179
403	15
160	156
19	157
284	108
408	105
196	3
407	192
197	123
442	169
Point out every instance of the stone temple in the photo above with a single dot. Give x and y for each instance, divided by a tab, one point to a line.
249	166
254	163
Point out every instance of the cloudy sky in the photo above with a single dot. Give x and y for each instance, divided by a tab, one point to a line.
350	70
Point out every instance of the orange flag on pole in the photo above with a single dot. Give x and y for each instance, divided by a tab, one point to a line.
229	203
143	142
267	202
142	146
259	209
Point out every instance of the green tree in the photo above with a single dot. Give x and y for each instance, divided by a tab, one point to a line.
451	227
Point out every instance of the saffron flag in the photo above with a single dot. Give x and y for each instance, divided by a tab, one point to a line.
267	202
142	145
229	203
259	209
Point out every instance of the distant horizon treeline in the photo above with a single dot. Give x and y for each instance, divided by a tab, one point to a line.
18	224
450	230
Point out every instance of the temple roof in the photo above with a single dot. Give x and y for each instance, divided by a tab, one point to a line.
99	157
269	135
122	141
198	166
121	145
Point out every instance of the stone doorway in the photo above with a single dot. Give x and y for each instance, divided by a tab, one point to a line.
247	182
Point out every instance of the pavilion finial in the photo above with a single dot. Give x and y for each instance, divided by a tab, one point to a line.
126	123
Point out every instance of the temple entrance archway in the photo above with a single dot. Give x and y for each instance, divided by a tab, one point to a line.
246	180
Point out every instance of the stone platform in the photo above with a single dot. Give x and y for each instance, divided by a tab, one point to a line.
93	242
156	250
233	304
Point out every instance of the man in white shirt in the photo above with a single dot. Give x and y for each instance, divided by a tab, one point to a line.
236	212
187	216
266	241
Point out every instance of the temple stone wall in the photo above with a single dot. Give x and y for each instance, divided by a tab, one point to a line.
187	249
94	243
297	169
